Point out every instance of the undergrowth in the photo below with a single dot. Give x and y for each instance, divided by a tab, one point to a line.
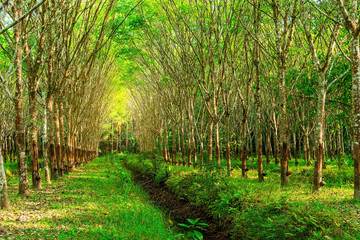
257	210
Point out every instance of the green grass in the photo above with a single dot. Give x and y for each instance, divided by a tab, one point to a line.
96	201
265	210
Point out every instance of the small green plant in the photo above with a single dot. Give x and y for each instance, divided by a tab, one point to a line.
192	229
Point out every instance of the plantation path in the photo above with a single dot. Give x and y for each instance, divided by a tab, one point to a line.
97	201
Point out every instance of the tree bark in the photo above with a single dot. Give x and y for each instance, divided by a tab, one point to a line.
269	152
339	148
36	178
178	158
295	149
173	146
307	149
284	148
228	157
57	141
217	144
45	147
183	142
355	70
189	151
19	108
257	95
64	164
210	141
319	136
51	134
243	153
4	201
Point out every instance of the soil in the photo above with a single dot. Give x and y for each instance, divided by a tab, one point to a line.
179	209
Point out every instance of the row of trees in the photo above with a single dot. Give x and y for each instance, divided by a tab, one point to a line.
273	74
57	71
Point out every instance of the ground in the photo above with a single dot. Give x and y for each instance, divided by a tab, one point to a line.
96	201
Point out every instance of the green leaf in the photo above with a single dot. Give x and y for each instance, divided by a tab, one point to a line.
191	234
183	225
178	235
203	224
193	221
198	235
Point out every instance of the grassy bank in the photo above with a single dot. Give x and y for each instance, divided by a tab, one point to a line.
264	210
96	201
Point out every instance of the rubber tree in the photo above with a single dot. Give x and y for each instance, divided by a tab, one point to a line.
322	67
19	103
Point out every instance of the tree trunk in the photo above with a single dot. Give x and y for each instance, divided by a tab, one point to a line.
166	156
202	154
189	151
178	160
45	147
319	136
331	147
5	149
194	146
70	146
243	153
4	202
173	145
36	178
228	158
276	145
210	141
355	69
251	147
284	148
64	164
19	108
217	144
259	142
307	149
51	134
269	151
258	139
58	141
11	149
183	142
339	148
295	149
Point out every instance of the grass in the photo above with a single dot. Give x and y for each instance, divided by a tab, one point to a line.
265	210
96	201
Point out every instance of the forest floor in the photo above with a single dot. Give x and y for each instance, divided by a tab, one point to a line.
95	201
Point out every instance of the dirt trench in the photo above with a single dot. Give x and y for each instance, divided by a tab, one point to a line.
178	209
